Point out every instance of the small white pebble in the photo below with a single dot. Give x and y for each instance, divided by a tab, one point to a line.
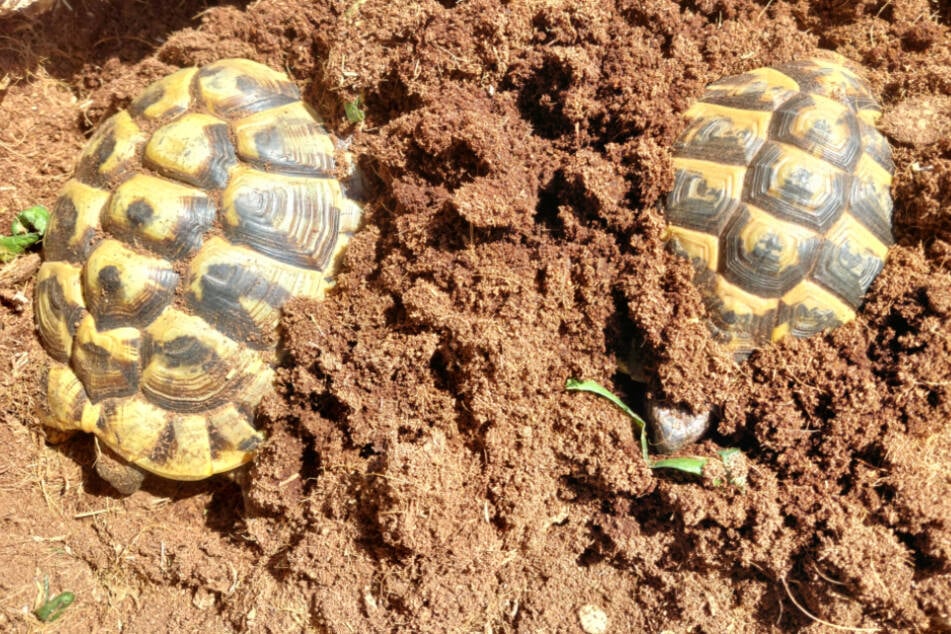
369	601
593	619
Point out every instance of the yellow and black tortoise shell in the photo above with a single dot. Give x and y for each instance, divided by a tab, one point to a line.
192	217
781	200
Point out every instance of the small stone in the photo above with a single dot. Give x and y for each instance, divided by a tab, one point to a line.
203	598
369	601
673	427
593	619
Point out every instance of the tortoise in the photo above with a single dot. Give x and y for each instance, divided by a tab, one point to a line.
781	201
192	217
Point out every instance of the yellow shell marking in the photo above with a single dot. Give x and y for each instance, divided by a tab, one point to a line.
720	182
107	361
837	82
69	407
812	304
74	221
288	138
705	193
166	97
59	306
802	170
823	127
873	173
739	302
163	215
193	367
775	242
772	78
233	88
232	438
849	226
240	292
702	248
761	89
175	445
194	148
737	133
295	220
110	153
743	317
132	427
124	287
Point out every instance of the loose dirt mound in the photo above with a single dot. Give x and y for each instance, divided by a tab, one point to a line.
426	471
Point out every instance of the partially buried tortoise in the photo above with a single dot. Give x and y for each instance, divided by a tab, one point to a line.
192	217
781	200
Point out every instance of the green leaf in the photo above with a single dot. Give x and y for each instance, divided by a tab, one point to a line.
54	608
688	464
735	466
33	220
727	454
353	112
12	246
28	229
596	388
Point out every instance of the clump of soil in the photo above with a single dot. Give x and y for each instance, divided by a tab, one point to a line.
425	469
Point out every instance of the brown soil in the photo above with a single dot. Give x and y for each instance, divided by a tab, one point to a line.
426	471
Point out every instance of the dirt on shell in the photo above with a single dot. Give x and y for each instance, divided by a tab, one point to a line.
425	470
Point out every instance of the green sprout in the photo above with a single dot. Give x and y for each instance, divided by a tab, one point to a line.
353	111
692	465
53	608
28	228
594	387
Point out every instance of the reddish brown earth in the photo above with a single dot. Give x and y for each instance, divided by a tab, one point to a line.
426	471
